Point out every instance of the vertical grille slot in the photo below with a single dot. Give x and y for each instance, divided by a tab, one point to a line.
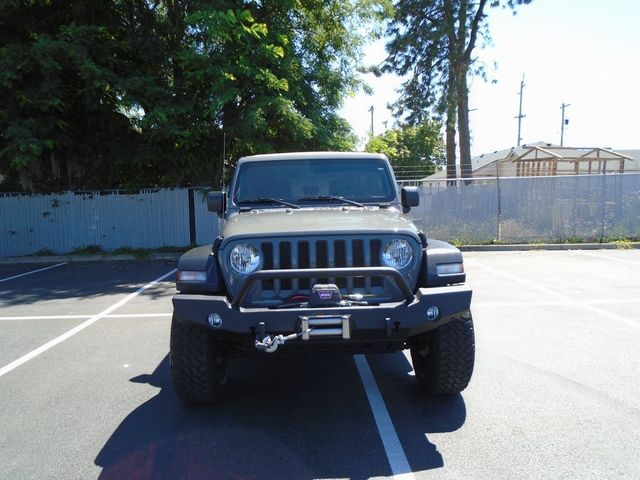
340	260
376	248
322	258
376	252
312	261
276	265
304	262
285	263
293	256
358	261
267	252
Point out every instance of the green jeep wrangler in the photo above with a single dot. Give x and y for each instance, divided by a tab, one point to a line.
316	255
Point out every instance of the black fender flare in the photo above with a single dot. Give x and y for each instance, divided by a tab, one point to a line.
439	252
197	260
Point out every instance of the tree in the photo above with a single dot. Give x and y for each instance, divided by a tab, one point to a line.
318	48
413	150
432	41
58	65
124	93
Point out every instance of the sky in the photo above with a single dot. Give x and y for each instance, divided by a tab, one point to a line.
585	53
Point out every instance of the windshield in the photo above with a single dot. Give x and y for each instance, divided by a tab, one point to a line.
309	180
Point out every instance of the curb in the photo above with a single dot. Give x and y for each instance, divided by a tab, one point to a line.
549	246
464	248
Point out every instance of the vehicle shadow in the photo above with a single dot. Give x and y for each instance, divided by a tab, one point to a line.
283	417
414	412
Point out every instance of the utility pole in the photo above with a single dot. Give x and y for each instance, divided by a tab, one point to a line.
564	122
371	110
520	115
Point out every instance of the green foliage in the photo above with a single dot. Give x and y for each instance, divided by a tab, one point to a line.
431	44
432	41
414	150
51	86
88	250
106	94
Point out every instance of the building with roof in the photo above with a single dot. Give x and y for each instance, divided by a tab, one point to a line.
546	159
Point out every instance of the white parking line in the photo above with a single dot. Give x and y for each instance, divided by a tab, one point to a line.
25	358
72	317
32	271
48	317
553	293
398	462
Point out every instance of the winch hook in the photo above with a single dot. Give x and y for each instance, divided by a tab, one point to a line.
270	343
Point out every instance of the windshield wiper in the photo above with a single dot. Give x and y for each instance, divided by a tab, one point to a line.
324	198
253	201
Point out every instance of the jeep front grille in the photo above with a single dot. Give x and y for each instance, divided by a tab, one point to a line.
324	253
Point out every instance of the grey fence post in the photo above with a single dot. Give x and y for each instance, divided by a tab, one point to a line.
604	202
192	217
498	227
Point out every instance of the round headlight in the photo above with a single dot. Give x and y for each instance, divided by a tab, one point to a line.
397	254
244	258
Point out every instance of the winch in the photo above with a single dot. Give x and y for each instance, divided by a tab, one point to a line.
325	295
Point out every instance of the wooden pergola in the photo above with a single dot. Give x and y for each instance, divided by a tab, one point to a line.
538	161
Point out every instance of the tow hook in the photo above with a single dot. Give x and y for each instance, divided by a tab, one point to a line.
270	343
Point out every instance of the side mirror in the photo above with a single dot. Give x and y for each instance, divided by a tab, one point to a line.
215	202
410	197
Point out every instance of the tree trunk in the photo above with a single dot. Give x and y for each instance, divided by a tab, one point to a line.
451	142
451	91
63	166
463	125
175	15
451	128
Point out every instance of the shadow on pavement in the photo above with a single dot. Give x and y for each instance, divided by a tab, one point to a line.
415	414
283	417
85	280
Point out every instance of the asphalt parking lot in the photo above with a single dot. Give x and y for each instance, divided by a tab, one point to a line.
85	389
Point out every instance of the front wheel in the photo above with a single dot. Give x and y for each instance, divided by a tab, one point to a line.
443	359
199	371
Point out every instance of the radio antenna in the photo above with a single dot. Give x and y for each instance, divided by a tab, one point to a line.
224	156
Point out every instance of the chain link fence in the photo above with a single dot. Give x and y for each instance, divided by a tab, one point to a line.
505	210
584	208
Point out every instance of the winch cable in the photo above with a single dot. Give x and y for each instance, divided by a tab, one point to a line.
270	343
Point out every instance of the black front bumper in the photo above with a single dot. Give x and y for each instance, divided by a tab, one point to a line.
395	321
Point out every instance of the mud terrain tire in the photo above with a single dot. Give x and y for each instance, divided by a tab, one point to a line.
443	360
198	372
